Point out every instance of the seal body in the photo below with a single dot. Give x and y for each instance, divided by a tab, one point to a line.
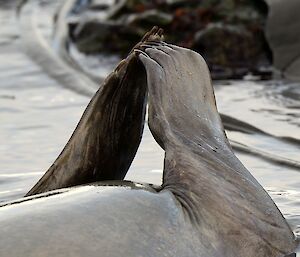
95	220
208	204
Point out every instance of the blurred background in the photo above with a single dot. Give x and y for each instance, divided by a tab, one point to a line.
54	55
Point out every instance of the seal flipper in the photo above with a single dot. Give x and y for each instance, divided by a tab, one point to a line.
229	209
106	139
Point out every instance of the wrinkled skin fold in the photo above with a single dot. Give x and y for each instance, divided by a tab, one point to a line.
217	193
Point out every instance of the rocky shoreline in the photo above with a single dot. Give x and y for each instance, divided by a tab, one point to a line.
230	34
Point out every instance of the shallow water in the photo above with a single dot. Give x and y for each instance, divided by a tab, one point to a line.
38	114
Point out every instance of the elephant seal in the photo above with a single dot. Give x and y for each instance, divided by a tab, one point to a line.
207	205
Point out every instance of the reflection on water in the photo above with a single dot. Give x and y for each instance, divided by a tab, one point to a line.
38	117
271	106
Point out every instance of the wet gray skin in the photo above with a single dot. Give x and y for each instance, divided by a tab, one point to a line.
231	213
209	205
106	139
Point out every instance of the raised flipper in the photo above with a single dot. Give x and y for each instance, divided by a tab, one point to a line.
106	139
231	212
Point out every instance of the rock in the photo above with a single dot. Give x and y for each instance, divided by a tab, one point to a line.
283	34
100	4
94	36
149	19
228	33
230	47
97	35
